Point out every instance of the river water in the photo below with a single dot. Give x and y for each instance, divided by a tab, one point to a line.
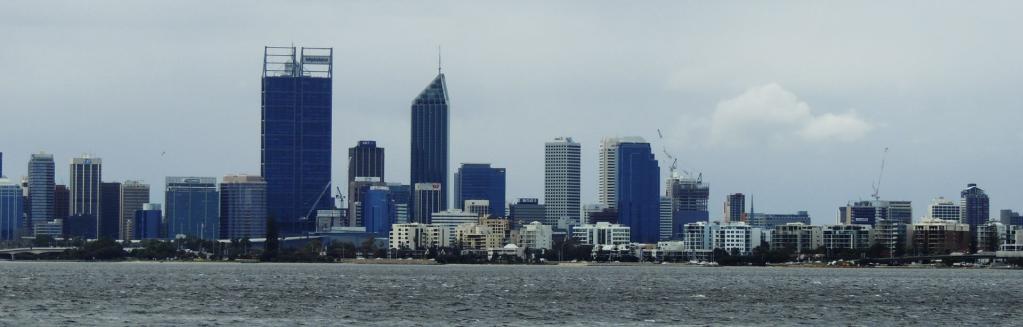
215	294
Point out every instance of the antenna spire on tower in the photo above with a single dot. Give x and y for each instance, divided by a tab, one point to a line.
438	59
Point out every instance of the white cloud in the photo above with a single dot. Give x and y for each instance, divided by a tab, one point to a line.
771	114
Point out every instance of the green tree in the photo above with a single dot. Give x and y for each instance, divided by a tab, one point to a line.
271	247
43	241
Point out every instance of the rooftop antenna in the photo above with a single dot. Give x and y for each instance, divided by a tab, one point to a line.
438	59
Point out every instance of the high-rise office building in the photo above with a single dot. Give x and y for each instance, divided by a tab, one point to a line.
689	201
378	212
1010	218
637	191
243	210
134	194
735	208
974	206
192	207
110	213
665	219
427	199
871	212
528	210
356	190
12	210
296	134
562	182
40	189
768	221
61	201
430	133
607	168
481	182
365	160
974	210
147	222
86	191
402	196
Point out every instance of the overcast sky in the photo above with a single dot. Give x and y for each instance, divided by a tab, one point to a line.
790	102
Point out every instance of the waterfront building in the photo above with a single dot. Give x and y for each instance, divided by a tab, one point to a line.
768	221
991	235
735	208
487	233
699	236
12	210
852	237
690	197
451	218
427	199
110	213
243	207
378	212
664	227
797	237
562	182
602	234
638	185
416	236
86	180
192	207
295	152
534	235
41	188
147	222
133	195
936	236
944	209
527	210
893	235
479	181
738	238
430	143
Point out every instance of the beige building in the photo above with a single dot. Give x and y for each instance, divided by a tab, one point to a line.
416	236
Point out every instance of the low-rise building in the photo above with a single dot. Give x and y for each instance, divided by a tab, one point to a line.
852	237
601	234
768	221
937	236
991	235
798	237
452	218
416	236
737	238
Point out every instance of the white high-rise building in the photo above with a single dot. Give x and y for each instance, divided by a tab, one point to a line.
561	181
943	209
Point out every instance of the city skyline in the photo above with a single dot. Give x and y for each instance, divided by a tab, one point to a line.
820	174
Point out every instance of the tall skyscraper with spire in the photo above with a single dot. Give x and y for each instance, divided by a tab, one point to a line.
430	132
296	135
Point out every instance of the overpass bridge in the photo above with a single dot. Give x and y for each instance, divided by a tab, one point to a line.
37	251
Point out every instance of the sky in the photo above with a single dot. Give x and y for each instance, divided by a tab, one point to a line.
791	102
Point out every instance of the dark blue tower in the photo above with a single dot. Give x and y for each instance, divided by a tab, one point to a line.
637	191
430	146
481	182
378	210
296	135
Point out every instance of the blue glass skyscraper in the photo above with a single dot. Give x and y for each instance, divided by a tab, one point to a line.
296	135
192	207
41	190
429	156
147	221
637	191
481	182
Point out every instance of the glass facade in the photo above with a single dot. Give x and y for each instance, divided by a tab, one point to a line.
110	210
147	221
41	189
429	150
296	139
192	207
243	207
378	211
637	191
481	182
11	210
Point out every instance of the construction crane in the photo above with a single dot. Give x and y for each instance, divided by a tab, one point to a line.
673	169
877	184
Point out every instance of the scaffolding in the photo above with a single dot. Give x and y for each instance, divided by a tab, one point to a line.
298	62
